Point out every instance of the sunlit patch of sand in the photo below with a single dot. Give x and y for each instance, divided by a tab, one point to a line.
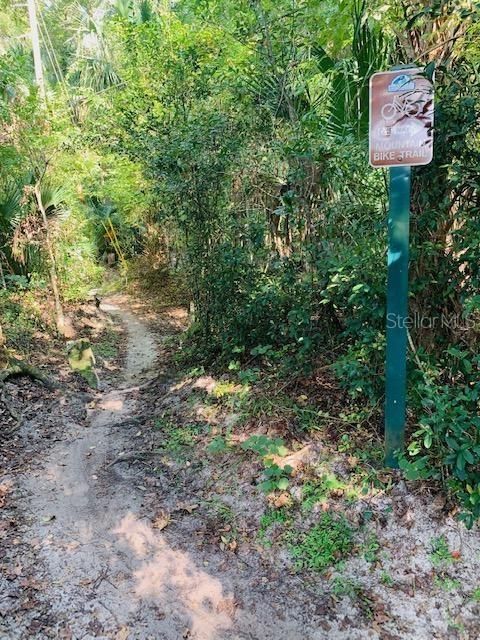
112	403
137	534
206	383
170	575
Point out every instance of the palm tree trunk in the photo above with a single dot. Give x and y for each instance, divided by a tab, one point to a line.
4	286
60	318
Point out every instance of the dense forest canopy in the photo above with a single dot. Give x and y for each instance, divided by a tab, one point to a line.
225	142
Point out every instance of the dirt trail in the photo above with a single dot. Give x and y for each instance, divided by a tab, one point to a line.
101	569
80	509
106	572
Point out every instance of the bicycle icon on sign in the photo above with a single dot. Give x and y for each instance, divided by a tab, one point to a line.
400	107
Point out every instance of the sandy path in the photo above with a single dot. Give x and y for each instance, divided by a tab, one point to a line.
107	573
102	569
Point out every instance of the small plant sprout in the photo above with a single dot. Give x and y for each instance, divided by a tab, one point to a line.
386	579
440	552
275	477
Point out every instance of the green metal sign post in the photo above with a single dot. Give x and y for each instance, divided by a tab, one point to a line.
397	312
400	136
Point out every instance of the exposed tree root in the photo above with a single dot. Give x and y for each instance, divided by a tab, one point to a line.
129	457
162	378
17	367
127	422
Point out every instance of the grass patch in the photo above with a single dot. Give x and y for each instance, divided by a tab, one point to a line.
476	594
371	548
386	579
347	587
318	491
221	511
324	544
445	583
270	518
179	438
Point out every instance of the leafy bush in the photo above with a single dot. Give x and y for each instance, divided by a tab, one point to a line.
275	477
446	444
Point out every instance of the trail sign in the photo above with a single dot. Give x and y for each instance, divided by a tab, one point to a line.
401	118
401	135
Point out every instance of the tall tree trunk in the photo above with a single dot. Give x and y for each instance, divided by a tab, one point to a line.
4	285
60	318
2	347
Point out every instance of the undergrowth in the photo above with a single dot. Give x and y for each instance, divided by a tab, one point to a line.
25	318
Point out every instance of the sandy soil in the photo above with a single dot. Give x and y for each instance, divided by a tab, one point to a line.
102	550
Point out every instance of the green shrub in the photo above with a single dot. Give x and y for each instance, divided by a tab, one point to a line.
446	444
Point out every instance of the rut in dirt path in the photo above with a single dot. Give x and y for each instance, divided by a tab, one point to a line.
106	572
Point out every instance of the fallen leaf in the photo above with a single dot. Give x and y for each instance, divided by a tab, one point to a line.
122	633
4	488
47	519
65	633
29	583
408	518
282	500
161	521
183	506
85	582
228	606
439	502
456	555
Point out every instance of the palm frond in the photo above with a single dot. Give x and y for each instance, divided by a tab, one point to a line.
10	199
53	199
